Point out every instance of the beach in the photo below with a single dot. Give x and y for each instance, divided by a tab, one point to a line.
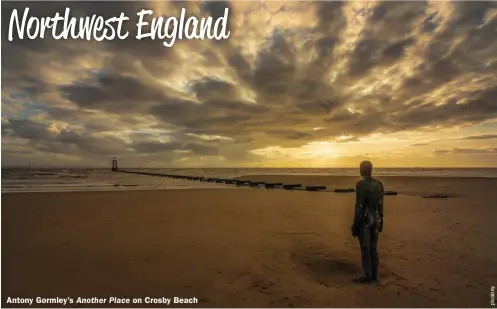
252	247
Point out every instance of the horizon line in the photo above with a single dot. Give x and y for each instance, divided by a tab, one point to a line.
252	167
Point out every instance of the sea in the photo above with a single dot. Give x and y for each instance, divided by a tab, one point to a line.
79	179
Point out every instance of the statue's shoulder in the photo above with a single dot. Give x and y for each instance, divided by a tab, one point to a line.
377	183
361	184
376	180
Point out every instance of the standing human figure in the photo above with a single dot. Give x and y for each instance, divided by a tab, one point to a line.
368	221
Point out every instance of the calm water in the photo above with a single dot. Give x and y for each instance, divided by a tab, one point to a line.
23	180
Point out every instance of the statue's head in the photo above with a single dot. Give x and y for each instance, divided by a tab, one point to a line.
366	168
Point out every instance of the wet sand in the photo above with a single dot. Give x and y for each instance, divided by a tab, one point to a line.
253	247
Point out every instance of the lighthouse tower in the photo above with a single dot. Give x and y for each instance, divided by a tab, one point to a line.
114	164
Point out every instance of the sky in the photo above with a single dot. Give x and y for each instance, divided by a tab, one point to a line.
314	84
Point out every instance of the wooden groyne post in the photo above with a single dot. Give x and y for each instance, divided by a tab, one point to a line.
114	165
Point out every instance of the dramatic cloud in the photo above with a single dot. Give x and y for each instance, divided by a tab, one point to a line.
481	137
296	81
469	151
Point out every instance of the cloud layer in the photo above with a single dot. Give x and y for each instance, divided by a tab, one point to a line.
292	75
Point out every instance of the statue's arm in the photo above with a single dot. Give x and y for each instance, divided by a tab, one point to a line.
359	204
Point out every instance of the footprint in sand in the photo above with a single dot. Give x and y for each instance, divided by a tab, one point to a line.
295	301
262	285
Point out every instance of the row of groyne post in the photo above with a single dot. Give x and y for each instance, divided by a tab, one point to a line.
249	183
258	184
